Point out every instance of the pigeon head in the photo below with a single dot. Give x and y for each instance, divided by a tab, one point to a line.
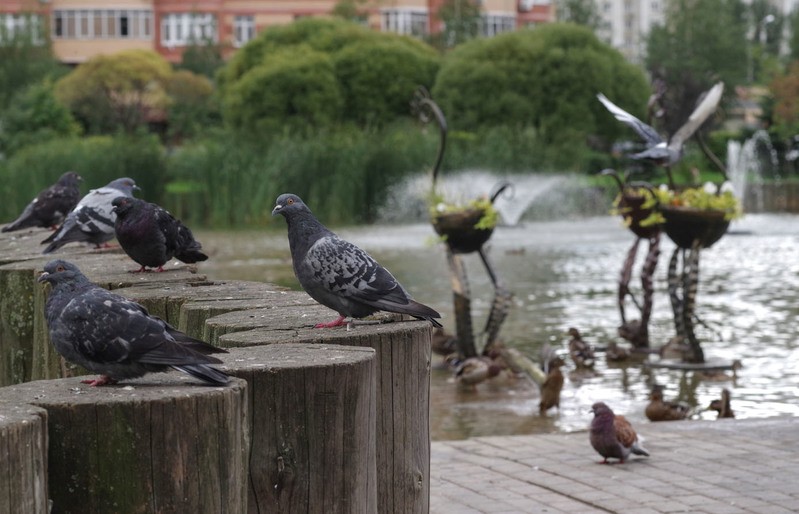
70	178
123	204
288	204
600	409
125	185
60	271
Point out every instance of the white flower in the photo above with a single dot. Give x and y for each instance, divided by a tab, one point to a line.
710	188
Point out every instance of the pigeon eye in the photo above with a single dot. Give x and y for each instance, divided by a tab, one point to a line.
60	268
290	201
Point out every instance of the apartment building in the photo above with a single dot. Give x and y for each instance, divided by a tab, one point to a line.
82	29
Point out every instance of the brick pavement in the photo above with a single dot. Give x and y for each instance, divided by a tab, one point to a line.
714	467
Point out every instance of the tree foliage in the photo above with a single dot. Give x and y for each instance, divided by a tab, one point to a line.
546	79
580	12
338	72
119	91
785	107
461	21
699	44
192	107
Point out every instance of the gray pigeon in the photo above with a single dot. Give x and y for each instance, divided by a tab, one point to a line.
109	334
91	221
612	436
151	236
340	275
659	151
51	205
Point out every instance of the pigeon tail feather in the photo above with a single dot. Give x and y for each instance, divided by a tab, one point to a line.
205	373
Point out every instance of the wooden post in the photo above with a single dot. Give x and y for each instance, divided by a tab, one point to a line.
158	444
16	325
403	395
312	426
23	459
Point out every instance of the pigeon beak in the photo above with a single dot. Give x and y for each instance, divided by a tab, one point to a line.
276	209
136	188
43	277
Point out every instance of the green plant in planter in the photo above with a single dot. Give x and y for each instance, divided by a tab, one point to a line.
704	198
488	220
464	227
636	200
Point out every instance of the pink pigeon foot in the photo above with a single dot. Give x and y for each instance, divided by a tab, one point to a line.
97	382
160	269
335	323
140	270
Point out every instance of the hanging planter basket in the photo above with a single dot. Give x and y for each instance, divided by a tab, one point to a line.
631	207
458	229
684	225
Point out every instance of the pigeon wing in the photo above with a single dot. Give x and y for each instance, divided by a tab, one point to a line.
705	108
646	132
346	270
624	431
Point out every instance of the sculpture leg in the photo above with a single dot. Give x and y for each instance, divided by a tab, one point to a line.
625	277
462	303
690	287
647	272
499	307
674	296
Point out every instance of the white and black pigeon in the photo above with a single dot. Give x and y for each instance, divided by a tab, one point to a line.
92	220
151	236
116	337
340	275
51	205
658	150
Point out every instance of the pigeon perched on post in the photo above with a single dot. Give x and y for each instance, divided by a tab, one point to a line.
658	150
91	221
51	205
612	436
116	337
151	236
340	275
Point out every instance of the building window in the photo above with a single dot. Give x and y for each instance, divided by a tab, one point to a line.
493	24
182	29
407	22
101	24
243	30
13	26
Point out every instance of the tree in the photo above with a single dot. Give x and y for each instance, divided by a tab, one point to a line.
203	58
351	10
120	91
699	44
461	19
580	12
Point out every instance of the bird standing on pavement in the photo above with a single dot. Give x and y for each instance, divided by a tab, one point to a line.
553	384
151	236
659	151
723	406
340	275
116	337
51	205
581	352
612	436
91	221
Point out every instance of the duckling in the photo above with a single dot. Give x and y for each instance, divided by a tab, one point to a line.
660	410
581	352
476	370
722	406
444	343
616	353
552	386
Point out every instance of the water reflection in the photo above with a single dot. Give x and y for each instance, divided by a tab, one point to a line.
564	274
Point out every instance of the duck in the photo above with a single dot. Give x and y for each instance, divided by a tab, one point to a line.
552	386
475	370
444	343
660	410
616	353
581	352
722	405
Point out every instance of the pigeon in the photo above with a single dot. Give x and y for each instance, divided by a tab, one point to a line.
340	275
116	337
659	151
581	352
613	436
92	220
51	205
151	236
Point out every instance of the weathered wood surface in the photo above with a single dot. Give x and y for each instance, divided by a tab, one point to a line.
23	459
312	427
159	444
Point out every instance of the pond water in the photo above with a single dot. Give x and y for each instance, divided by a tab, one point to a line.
563	274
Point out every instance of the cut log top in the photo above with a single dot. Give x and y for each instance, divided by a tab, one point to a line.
12	414
291	356
156	387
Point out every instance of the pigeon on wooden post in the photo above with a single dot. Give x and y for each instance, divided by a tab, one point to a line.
116	337
151	236
91	221
612	436
51	205
340	275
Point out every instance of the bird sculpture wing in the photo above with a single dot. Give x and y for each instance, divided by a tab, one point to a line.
344	269
104	327
646	132
705	108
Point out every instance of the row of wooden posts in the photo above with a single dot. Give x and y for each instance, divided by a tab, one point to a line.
314	421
